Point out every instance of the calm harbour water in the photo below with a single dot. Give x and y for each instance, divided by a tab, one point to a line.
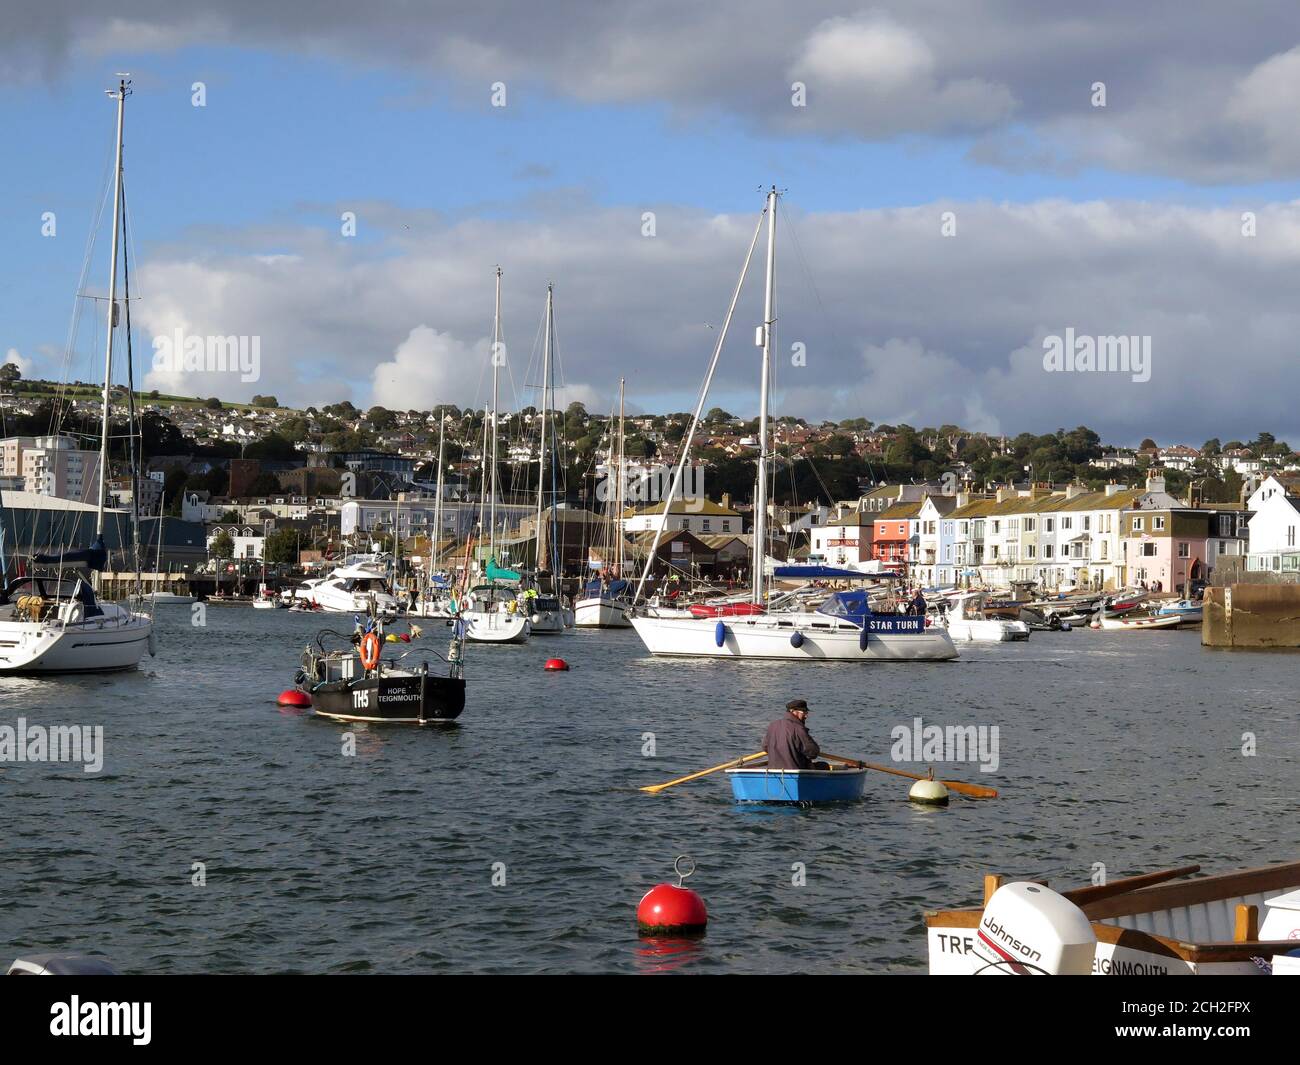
1116	748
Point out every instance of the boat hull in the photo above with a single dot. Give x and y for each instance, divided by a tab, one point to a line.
400	700
797	785
547	622
496	627
770	636
99	645
601	613
987	630
1131	624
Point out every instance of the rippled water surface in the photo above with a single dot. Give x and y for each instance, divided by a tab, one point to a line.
1117	748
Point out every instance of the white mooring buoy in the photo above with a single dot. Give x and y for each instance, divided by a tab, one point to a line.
930	792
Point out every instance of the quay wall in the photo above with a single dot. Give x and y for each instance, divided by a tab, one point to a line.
1252	615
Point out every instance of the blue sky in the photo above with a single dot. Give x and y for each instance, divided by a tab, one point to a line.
291	136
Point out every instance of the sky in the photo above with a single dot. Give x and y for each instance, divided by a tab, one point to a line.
963	183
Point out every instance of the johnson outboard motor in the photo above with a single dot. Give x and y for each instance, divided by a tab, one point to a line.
1030	930
60	965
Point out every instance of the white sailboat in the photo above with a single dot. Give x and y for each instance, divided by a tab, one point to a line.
844	627
57	624
161	596
547	614
491	612
606	601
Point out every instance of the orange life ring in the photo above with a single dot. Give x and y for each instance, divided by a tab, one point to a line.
370	649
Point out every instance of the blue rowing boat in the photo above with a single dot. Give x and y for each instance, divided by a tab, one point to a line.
797	785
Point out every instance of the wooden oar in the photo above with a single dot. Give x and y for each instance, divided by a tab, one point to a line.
735	763
1096	892
974	791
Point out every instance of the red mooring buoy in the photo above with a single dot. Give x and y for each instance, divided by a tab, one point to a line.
672	910
556	665
293	697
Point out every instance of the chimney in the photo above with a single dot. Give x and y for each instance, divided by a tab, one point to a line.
1003	493
1155	482
726	500
963	498
1074	490
1111	489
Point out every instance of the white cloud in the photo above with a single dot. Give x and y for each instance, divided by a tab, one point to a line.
904	325
13	356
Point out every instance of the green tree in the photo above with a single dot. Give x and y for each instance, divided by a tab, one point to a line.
213	403
222	546
281	546
9	373
265	401
381	419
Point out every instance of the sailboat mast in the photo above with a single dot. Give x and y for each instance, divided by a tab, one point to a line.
496	367
622	482
768	327
541	447
437	497
121	94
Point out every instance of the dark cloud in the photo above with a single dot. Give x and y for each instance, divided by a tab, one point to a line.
1200	90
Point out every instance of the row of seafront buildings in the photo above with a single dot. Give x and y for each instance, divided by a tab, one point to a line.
1115	538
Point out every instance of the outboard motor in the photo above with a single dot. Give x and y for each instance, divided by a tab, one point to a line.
1030	930
60	965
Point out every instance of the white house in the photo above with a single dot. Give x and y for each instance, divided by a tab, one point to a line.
1274	520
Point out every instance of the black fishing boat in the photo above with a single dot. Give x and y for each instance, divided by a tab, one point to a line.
354	682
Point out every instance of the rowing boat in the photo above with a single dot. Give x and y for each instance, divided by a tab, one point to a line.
1208	926
1149	621
762	784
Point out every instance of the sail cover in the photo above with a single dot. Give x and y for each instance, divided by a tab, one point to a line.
495	573
821	573
93	557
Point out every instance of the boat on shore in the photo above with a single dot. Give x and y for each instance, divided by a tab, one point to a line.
1188	611
1138	623
1157	924
762	784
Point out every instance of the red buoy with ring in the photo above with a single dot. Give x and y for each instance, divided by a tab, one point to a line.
556	665
672	910
293	697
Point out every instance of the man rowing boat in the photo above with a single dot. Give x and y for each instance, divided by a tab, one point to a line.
788	742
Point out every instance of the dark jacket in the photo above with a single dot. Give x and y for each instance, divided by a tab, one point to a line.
789	744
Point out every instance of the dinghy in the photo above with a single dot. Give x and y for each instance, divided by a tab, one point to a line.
761	784
1130	623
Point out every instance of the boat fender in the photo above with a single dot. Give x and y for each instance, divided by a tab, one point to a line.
796	639
862	638
720	633
153	643
293	697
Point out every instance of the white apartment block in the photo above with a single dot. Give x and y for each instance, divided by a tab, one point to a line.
51	466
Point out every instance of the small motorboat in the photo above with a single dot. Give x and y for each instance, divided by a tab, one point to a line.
761	784
354	682
1188	610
